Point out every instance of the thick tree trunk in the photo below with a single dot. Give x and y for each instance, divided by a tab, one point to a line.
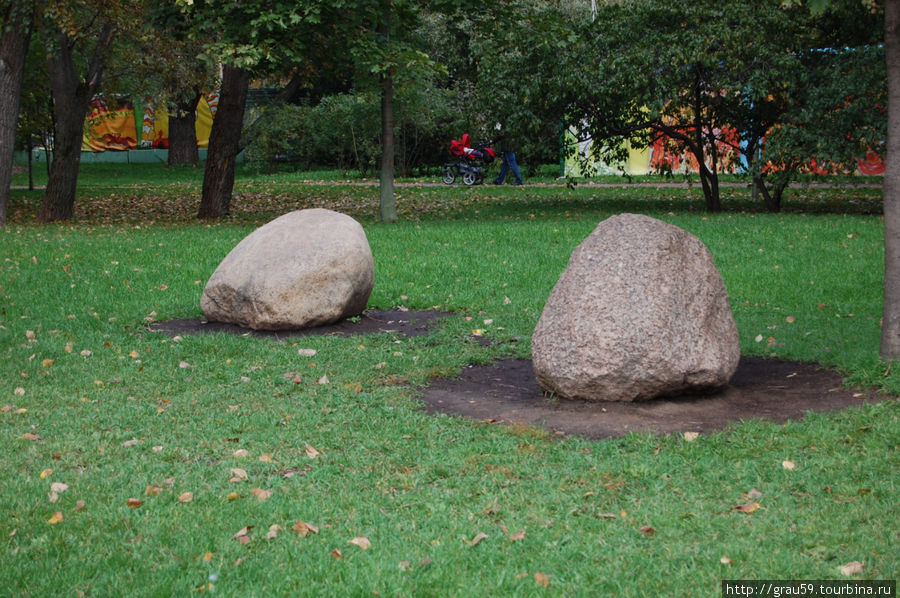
388	202
183	133
890	331
14	41
224	144
71	100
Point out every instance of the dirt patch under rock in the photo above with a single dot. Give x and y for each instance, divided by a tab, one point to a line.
401	323
507	391
770	389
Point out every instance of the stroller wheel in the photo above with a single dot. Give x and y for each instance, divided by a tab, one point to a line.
469	178
448	176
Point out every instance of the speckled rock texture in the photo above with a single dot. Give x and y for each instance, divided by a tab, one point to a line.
640	312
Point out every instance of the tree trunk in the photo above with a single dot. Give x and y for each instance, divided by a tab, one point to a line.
13	49
890	331
71	100
388	203
183	133
772	199
224	144
709	178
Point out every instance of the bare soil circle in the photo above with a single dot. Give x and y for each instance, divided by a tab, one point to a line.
769	389
506	392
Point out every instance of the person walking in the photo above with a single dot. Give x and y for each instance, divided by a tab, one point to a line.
508	150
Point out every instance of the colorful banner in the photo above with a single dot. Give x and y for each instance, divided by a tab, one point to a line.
110	126
665	155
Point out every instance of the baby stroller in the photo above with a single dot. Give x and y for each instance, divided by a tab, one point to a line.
471	162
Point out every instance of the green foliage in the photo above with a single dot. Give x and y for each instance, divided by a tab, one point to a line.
695	72
344	131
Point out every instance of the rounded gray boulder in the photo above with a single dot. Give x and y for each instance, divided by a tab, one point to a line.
306	268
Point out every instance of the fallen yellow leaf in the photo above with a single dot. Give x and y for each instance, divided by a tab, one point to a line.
303	528
261	494
851	568
186	497
242	533
46	473
362	542
747	507
55	518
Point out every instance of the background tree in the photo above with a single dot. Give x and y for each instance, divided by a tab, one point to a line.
78	37
172	75
828	104
17	24
527	66
697	74
251	38
35	125
890	332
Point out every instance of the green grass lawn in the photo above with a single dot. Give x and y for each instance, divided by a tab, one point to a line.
134	462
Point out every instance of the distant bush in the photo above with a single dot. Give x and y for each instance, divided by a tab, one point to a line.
344	132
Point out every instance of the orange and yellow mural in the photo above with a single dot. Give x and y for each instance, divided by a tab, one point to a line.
110	125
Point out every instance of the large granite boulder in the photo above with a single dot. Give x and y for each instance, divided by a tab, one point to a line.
304	269
640	312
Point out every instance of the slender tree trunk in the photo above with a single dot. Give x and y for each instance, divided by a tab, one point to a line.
183	133
71	99
890	331
224	144
387	201
14	41
30	166
772	199
709	178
